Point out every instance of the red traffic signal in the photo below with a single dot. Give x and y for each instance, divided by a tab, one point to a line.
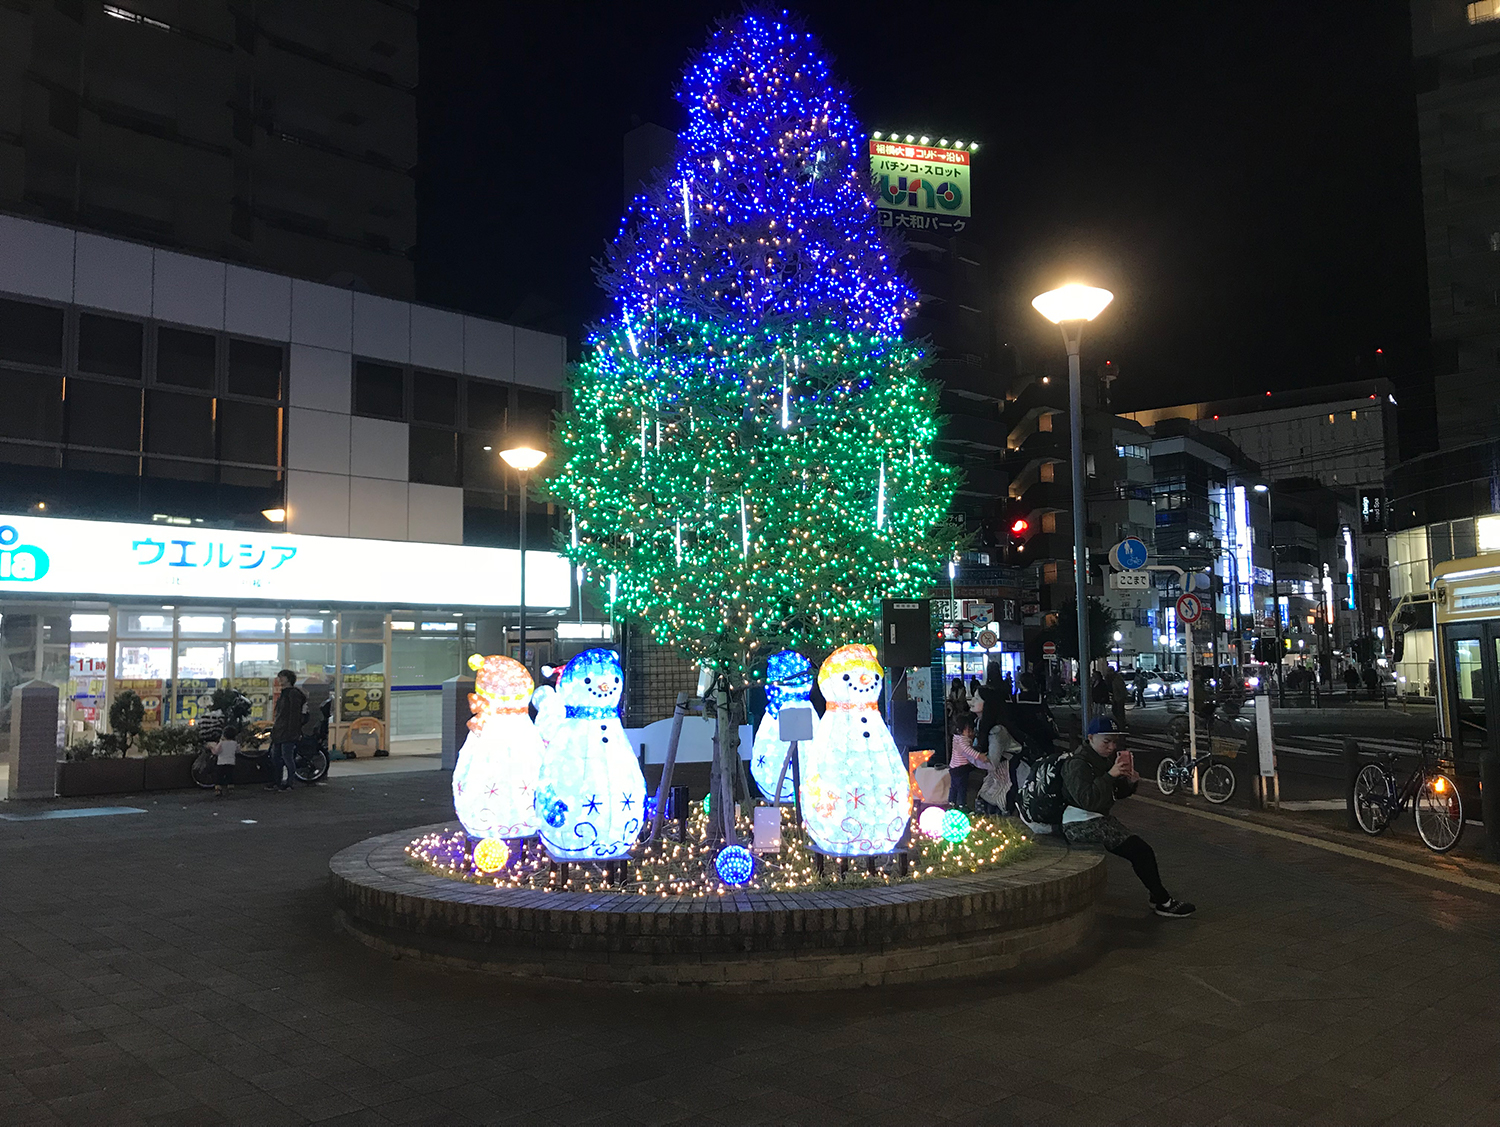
1019	526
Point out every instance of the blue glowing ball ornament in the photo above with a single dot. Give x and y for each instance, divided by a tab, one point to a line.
735	865
956	826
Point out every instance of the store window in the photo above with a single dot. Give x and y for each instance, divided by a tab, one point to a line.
259	626
108	346
145	623
185	359
31	334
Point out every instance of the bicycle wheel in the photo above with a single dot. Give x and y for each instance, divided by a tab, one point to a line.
1218	783
1166	775
1373	791
312	765
1439	812
206	772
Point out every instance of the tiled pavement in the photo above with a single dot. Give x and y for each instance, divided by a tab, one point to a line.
179	967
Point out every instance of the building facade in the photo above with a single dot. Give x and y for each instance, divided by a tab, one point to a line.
273	133
260	472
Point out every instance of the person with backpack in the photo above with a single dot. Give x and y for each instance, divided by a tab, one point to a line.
1074	793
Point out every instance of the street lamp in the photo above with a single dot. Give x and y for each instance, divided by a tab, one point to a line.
1275	596
523	459
1069	308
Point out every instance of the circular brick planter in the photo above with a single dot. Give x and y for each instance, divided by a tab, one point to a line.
1025	916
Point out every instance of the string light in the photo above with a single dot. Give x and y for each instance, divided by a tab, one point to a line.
769	513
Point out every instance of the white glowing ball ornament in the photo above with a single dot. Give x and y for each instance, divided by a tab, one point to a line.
931	821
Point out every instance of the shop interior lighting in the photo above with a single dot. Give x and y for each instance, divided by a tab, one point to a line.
275	516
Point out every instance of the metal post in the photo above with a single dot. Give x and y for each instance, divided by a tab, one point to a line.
1073	337
1276	609
524	662
1192	705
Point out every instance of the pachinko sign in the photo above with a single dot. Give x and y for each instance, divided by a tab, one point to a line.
920	187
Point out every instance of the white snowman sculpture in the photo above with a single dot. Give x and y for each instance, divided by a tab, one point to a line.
856	798
590	794
494	783
788	683
549	708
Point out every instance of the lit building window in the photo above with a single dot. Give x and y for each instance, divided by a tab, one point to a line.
1482	11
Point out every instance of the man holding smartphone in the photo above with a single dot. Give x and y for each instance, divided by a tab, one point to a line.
1075	793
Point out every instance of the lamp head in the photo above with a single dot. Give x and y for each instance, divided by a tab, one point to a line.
523	458
1262	488
1072	302
275	516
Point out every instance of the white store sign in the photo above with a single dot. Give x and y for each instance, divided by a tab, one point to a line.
47	556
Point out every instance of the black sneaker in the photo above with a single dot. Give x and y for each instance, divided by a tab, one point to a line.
1174	909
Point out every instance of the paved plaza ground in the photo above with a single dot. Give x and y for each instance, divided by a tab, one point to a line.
179	967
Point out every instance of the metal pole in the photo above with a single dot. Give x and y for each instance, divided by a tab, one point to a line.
1073	337
1276	609
1192	706
524	662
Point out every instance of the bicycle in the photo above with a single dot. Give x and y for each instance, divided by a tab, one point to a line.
1429	789
1217	781
311	763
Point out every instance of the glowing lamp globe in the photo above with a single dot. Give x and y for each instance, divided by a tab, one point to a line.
490	855
1072	302
956	826
931	821
523	458
735	865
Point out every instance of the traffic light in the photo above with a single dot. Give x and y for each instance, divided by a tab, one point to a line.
1019	527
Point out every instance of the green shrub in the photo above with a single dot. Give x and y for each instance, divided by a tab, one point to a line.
126	713
172	740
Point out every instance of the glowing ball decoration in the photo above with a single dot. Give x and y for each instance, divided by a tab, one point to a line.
788	682
931	821
956	826
735	865
856	797
590	792
490	855
494	783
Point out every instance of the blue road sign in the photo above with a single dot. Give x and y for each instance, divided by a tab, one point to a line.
1129	554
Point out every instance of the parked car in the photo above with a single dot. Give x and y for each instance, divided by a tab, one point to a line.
1157	688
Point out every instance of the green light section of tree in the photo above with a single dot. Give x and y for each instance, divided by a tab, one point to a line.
753	490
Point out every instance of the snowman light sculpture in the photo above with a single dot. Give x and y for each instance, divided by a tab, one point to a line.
494	783
590	794
788	683
856	798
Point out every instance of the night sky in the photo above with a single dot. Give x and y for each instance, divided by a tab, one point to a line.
1243	175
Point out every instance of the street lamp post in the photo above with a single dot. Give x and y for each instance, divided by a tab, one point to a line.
1275	598
1070	307
523	459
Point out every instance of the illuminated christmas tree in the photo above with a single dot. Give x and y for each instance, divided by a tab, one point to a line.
748	453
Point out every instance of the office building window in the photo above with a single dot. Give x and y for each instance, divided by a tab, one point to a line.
255	369
1482	11
432	456
108	346
180	424
249	432
488	407
434	398
31	334
379	390
185	359
33	406
533	415
103	414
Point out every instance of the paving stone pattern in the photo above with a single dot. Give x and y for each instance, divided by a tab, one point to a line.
180	967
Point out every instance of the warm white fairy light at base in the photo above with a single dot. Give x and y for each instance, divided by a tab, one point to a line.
667	868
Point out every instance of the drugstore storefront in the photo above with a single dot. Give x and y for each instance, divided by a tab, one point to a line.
175	612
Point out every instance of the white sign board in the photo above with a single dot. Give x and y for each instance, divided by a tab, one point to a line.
919	689
48	556
767	829
1130	580
794	723
1264	740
